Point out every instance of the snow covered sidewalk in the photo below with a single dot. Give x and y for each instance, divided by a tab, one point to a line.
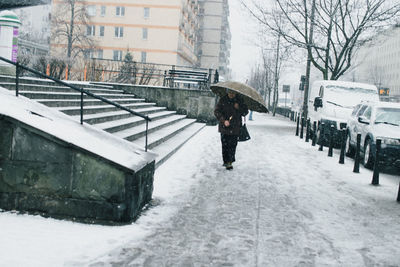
284	204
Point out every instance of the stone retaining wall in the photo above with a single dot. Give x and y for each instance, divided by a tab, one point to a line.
196	104
42	174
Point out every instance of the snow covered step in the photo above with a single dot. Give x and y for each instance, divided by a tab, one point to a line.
86	102
140	130
102	108
158	137
67	95
116	115
122	124
41	81
58	88
169	147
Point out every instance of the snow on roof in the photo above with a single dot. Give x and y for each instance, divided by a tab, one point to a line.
71	131
345	84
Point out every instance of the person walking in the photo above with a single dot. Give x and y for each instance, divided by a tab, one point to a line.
229	111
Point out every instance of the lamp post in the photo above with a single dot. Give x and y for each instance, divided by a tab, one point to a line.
309	55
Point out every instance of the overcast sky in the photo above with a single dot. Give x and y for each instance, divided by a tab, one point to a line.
244	54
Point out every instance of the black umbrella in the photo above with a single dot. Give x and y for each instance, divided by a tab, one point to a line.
251	97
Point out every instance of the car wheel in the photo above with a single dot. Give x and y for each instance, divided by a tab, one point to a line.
349	149
368	156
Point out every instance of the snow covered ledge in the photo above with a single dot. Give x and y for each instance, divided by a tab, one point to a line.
52	165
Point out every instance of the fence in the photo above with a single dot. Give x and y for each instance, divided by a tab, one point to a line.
115	71
137	73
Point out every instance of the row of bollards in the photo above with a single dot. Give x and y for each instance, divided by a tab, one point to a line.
301	123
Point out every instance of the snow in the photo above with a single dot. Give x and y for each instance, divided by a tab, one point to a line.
64	127
284	204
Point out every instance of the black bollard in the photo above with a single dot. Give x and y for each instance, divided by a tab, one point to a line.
398	194
297	127
308	130
301	128
314	136
375	176
342	146
330	151
321	136
357	155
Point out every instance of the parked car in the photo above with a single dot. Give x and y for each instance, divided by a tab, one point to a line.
284	103
375	120
331	103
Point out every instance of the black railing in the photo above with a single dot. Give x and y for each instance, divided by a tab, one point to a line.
82	91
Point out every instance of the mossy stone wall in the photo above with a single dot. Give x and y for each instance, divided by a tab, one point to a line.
42	174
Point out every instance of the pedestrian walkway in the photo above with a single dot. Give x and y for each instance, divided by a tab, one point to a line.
284	204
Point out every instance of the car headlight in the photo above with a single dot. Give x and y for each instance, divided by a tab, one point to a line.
328	123
390	141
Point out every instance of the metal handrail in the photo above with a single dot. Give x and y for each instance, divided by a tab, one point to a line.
82	91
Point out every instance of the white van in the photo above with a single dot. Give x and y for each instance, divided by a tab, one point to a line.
331	102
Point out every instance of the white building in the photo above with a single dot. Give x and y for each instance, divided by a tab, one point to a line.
214	40
378	62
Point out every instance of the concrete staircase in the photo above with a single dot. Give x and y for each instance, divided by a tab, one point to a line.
167	132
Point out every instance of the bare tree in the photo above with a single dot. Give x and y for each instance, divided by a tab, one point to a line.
69	26
268	76
148	74
56	65
257	79
340	27
128	70
376	75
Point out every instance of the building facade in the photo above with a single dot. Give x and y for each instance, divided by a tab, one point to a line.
214	39
156	31
378	62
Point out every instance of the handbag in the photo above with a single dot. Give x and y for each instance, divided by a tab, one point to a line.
243	133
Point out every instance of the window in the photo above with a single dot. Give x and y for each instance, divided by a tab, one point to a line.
87	53
144	33
367	113
90	30
91	10
321	91
144	55
103	11
356	108
117	55
101	30
120	11
119	32
146	12
100	54
361	111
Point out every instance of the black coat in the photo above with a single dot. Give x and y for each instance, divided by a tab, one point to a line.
225	110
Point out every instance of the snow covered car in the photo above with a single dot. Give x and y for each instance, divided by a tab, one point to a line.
331	103
375	120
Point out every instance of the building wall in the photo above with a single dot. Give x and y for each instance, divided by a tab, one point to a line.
379	62
170	25
214	45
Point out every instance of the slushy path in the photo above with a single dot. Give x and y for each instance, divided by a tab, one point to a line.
284	204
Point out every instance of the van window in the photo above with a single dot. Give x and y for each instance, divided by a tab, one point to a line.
356	108
361	111
367	113
321	91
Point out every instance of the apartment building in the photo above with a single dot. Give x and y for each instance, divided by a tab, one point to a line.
378	62
214	39
155	31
